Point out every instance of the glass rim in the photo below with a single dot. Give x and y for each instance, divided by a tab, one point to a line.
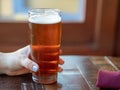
38	10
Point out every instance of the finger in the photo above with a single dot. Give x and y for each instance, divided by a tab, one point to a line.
60	69
60	51
19	72
29	64
60	61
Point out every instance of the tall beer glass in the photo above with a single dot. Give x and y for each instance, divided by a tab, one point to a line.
45	36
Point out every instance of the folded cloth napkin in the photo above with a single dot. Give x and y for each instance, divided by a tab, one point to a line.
108	79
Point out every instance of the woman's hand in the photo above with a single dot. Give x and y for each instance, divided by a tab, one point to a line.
18	62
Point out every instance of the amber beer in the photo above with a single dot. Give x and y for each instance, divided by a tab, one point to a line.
45	36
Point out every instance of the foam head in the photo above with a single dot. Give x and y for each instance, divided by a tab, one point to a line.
46	17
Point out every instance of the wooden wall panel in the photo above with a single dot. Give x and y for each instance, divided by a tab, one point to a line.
13	35
95	36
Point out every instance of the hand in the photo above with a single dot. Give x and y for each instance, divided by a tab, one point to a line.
18	62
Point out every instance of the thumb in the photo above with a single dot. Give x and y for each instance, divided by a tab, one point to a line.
24	51
25	61
29	64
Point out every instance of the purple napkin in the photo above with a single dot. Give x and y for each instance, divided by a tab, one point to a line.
108	79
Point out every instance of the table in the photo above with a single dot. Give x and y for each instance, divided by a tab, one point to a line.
79	73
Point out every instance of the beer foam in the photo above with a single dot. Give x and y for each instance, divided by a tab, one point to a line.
45	19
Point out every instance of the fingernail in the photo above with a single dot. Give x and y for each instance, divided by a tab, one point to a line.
35	68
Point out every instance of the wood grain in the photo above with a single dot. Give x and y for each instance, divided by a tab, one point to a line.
79	73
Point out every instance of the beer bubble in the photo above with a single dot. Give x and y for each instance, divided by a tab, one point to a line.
45	18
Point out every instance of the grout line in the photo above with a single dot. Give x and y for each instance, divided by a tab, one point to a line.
110	62
87	81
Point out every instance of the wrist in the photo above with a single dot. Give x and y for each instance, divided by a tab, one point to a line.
8	62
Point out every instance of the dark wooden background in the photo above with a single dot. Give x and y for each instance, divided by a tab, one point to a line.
98	35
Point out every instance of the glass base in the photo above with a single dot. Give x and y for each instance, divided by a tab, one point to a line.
44	79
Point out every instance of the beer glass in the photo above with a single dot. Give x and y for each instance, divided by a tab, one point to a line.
45	38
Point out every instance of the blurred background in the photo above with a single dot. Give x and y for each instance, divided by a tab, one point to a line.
90	27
